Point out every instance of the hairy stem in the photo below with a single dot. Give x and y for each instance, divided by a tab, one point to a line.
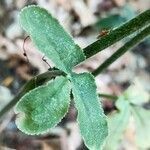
119	33
127	46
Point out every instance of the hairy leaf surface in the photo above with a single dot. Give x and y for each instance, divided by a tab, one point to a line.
43	107
50	38
117	123
91	118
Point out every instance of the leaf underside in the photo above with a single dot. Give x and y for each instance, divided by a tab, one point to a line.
50	38
43	107
91	119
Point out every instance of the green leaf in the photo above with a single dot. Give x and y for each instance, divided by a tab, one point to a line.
117	123
116	18
110	22
137	96
91	118
118	120
43	107
50	38
142	124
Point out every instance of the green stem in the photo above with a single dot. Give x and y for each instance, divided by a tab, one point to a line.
127	46
31	84
113	97
119	33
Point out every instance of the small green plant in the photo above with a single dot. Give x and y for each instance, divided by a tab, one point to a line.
45	99
44	107
128	105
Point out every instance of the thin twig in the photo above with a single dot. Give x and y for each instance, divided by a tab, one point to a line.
113	97
24	50
45	60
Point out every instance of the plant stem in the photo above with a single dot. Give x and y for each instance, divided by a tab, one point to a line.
113	97
127	46
31	84
117	34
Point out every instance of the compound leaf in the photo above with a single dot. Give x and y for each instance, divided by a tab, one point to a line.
50	37
117	123
43	107
91	118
